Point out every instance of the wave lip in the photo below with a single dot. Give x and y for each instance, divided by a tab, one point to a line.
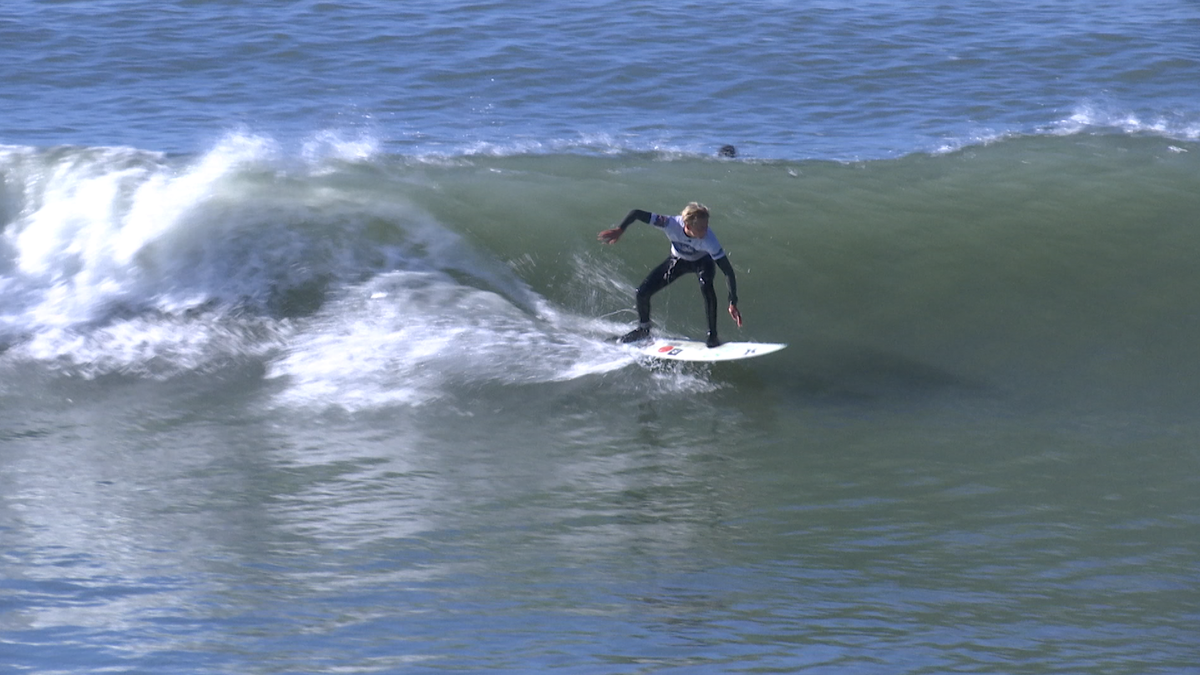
103	245
1098	118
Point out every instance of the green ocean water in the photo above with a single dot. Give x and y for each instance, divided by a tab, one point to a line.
274	415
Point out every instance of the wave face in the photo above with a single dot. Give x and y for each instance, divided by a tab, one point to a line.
1061	263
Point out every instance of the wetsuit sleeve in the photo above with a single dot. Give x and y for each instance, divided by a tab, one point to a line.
730	278
635	214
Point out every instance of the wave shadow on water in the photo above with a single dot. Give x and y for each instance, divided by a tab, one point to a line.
857	374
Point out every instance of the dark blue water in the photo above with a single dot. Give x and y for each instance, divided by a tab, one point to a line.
777	79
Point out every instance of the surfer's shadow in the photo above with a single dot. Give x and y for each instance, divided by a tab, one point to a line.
866	374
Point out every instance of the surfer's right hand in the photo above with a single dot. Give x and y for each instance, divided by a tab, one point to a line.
611	236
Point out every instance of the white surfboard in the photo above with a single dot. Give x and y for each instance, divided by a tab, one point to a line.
689	350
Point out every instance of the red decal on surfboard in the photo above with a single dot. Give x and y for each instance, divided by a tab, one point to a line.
664	350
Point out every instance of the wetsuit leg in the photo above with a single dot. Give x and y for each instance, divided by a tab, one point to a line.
706	270
658	279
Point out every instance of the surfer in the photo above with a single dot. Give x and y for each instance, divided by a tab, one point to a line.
694	248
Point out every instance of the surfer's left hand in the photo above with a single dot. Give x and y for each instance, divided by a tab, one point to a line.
737	316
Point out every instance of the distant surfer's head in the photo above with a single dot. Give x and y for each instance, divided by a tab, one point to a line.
695	220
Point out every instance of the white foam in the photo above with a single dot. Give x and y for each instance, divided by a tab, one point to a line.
100	235
339	145
411	338
90	216
1090	116
153	347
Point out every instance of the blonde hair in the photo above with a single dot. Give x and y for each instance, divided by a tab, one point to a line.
693	211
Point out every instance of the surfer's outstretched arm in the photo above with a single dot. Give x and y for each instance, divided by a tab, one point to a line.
731	282
611	236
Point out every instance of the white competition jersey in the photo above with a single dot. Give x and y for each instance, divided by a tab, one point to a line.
683	246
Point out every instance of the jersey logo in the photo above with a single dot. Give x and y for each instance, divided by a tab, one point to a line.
660	221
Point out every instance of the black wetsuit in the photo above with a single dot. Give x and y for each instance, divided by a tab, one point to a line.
701	256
